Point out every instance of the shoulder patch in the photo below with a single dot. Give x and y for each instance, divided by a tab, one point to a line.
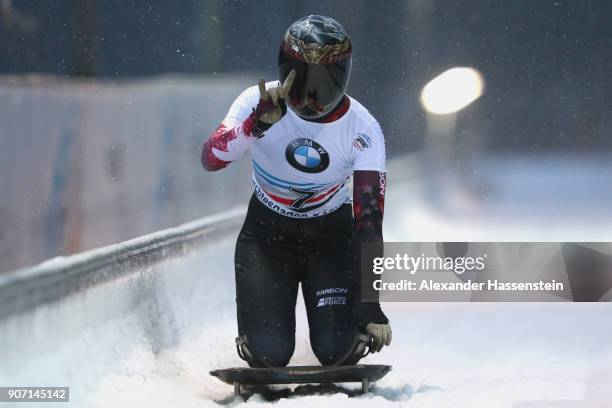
362	142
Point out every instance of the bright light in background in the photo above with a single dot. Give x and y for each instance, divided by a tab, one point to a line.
452	90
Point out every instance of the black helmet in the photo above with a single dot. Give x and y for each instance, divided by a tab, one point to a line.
320	51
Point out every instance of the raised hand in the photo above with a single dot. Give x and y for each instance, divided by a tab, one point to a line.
272	101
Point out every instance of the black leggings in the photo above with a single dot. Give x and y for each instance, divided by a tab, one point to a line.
273	255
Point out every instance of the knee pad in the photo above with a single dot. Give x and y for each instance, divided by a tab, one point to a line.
269	350
333	348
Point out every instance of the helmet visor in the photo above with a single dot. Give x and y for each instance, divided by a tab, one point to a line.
317	88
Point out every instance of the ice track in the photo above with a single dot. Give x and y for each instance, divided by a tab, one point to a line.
154	346
447	354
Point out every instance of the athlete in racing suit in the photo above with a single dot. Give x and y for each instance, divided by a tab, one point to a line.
300	226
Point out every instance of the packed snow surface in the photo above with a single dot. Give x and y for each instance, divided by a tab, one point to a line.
150	340
443	354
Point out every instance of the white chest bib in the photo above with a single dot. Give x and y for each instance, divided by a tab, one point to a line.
301	169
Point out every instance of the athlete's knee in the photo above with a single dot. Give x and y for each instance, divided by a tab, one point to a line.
268	350
335	347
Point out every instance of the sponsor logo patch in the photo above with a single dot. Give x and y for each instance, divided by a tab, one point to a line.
307	155
331	301
326	300
362	142
330	291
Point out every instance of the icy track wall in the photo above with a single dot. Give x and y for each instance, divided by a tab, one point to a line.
85	164
78	320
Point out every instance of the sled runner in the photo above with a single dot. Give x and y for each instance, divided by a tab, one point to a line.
242	376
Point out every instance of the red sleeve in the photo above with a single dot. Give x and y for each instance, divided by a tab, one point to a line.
368	204
226	145
218	139
368	208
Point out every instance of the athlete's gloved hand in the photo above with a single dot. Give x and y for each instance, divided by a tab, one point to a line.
372	320
272	107
381	335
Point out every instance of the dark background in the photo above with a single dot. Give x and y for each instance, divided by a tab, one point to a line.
546	64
